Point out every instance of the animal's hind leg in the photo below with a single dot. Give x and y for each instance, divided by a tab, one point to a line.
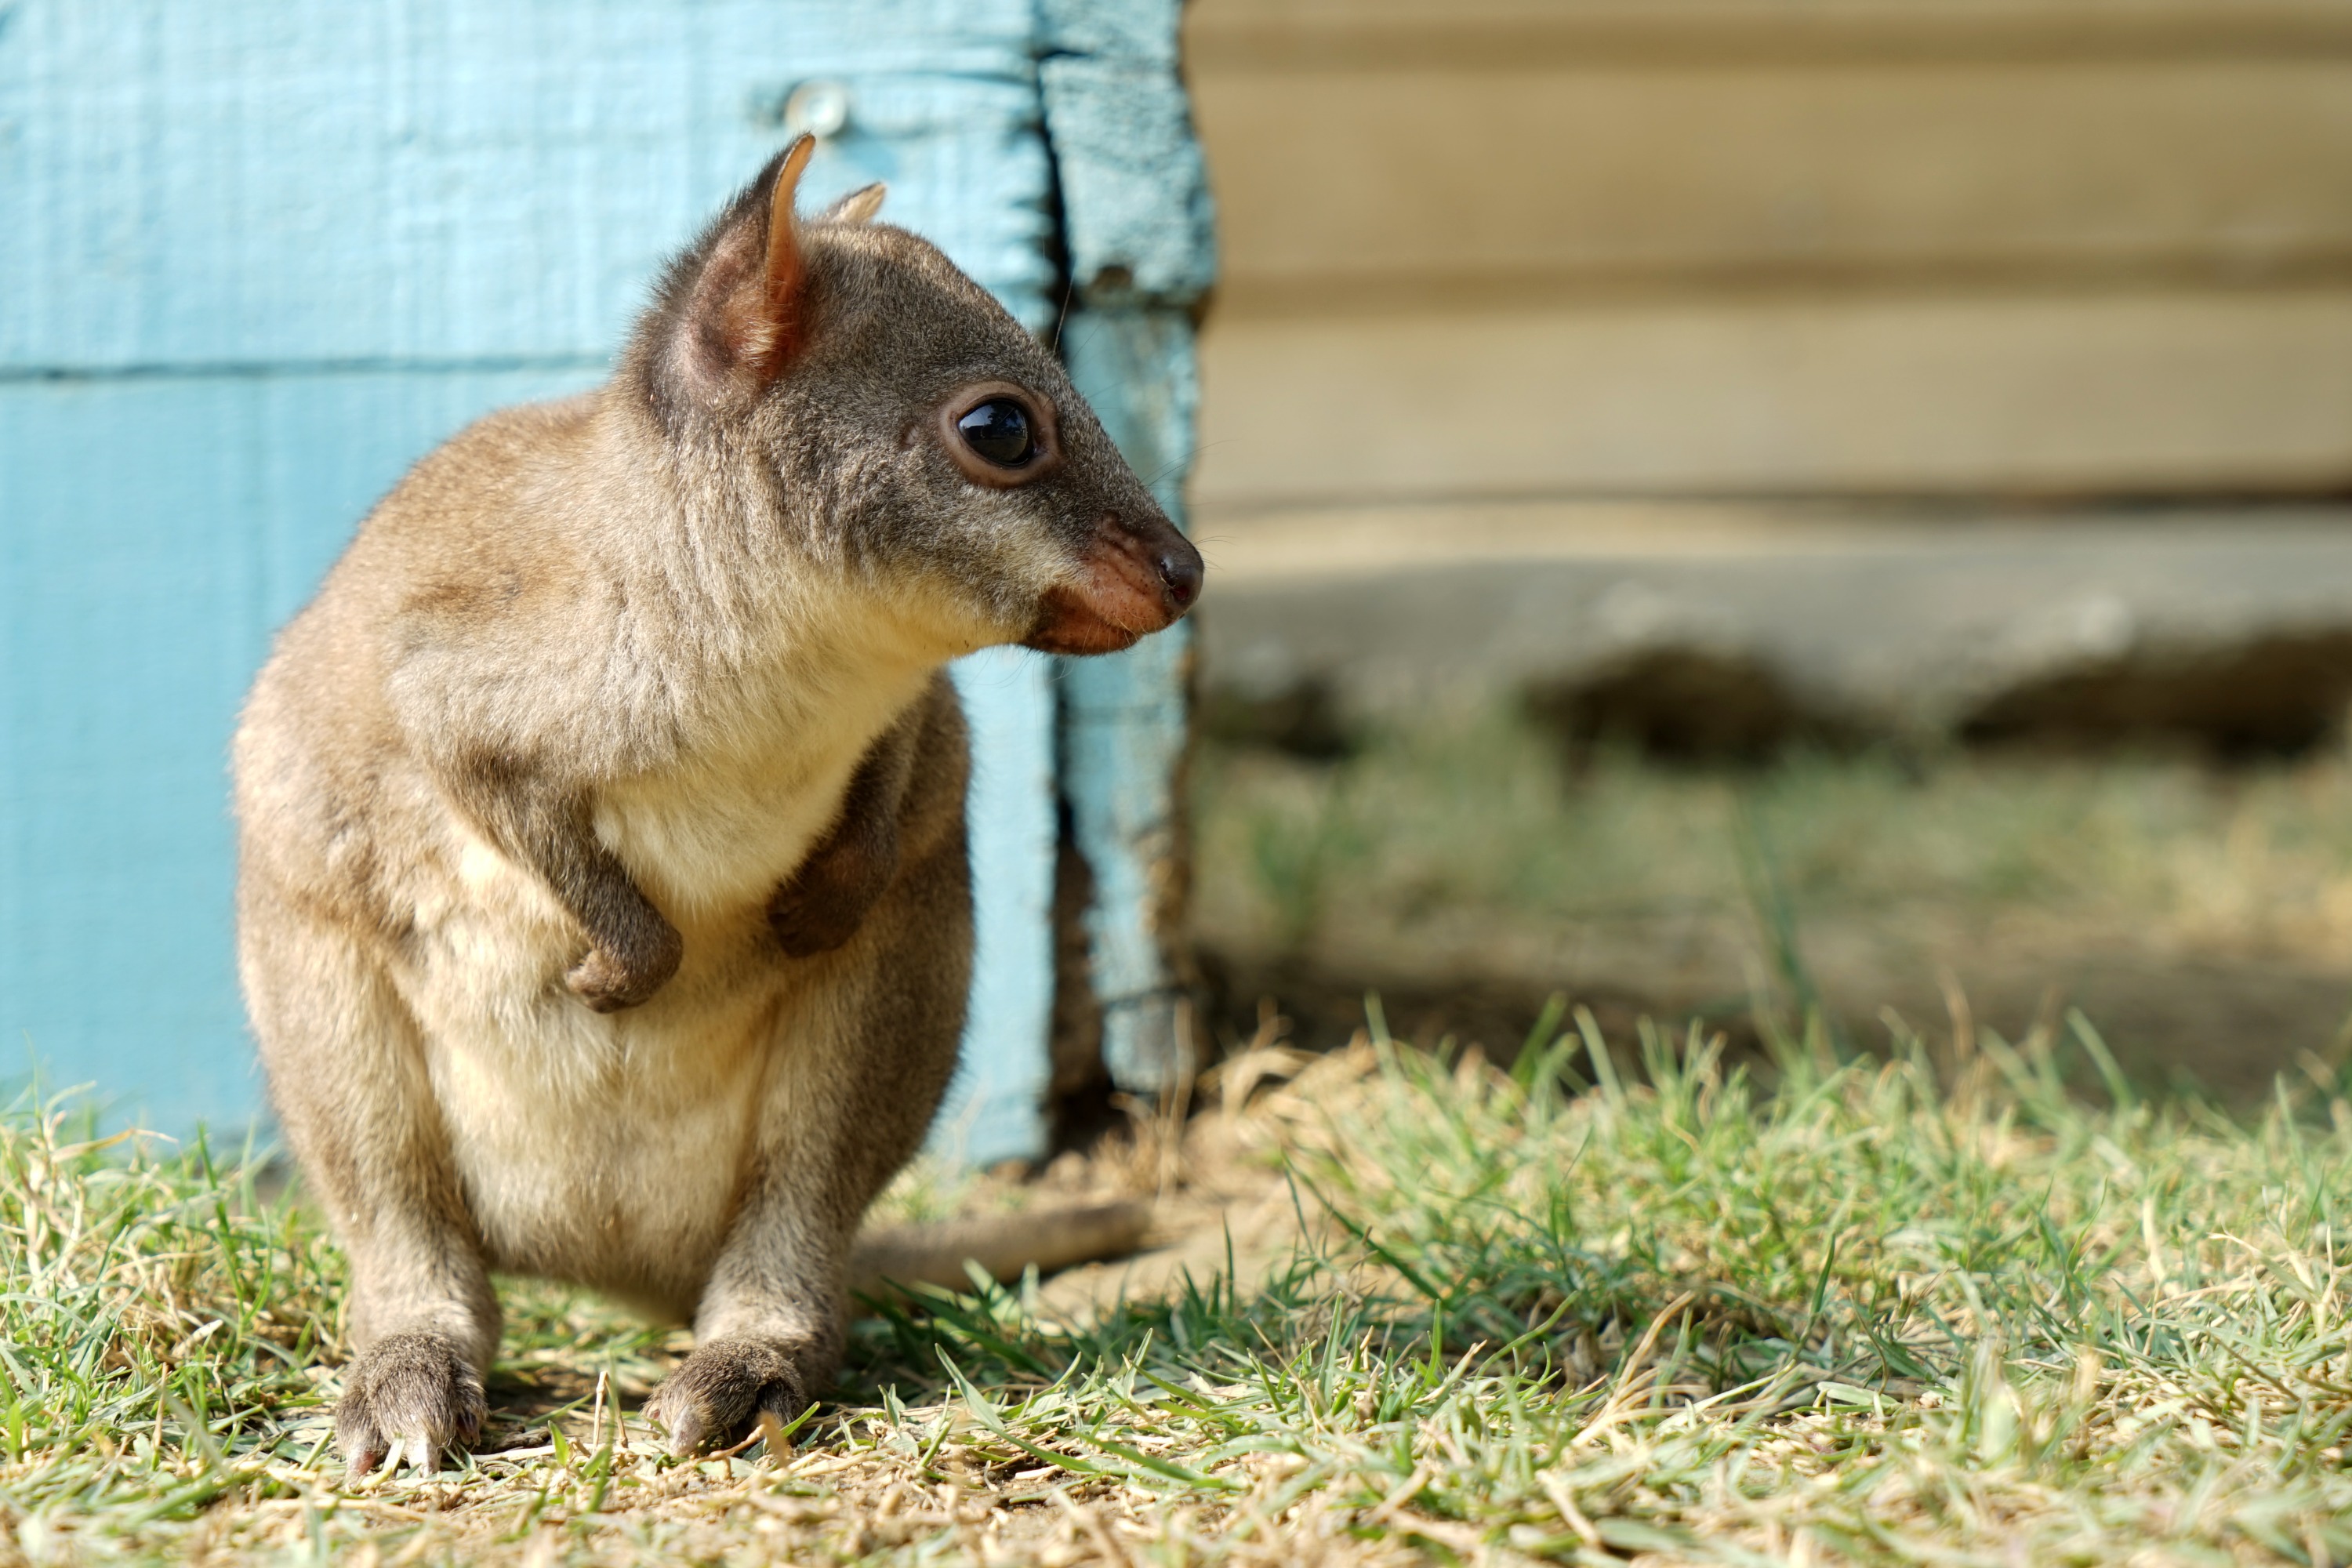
348	1074
847	1105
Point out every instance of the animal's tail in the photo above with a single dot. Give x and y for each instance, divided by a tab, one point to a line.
1003	1245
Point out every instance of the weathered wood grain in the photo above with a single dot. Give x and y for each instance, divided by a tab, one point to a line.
1944	174
1141	246
1325	35
1576	246
2147	391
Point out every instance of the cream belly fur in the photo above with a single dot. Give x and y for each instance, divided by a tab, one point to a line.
628	1176
720	829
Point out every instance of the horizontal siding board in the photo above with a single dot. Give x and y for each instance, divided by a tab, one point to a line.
1343	35
1941	246
249	182
2139	392
1575	178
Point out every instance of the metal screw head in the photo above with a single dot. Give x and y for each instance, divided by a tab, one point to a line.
819	108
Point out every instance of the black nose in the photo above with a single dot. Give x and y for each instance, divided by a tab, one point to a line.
1180	570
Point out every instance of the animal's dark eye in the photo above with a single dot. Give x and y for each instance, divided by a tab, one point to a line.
1001	431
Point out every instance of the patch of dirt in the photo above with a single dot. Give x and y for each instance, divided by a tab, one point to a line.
2270	696
1685	705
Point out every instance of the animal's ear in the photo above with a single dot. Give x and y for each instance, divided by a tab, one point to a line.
859	206
786	285
735	306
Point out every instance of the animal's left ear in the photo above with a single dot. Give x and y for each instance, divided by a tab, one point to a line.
777	337
859	206
736	315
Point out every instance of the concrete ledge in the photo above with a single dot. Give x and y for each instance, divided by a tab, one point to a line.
2232	625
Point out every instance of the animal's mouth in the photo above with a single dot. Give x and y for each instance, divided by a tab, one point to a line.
1068	622
1133	582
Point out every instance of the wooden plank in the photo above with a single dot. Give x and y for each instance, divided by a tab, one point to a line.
1126	719
1139	237
996	1109
252	260
1837	244
2150	391
1408	186
1326	35
245	183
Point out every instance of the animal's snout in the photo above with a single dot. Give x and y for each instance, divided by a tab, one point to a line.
1180	570
1132	580
1157	565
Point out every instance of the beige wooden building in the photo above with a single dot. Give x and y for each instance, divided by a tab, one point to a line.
1911	348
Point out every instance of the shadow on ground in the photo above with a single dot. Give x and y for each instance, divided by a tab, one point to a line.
2220	1028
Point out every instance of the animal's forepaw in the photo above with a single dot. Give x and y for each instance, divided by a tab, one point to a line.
830	896
724	1387
809	917
608	982
407	1396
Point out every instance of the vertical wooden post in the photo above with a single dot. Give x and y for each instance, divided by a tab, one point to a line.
1138	234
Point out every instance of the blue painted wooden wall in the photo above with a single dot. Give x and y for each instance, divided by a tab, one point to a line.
255	259
1141	257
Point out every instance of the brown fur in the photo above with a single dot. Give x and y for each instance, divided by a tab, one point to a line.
603	908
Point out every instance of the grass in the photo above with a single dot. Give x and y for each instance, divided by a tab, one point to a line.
1922	1308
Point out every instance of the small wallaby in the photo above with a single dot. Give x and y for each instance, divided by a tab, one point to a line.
604	910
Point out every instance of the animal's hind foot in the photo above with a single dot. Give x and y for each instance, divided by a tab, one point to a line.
408	1396
723	1389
